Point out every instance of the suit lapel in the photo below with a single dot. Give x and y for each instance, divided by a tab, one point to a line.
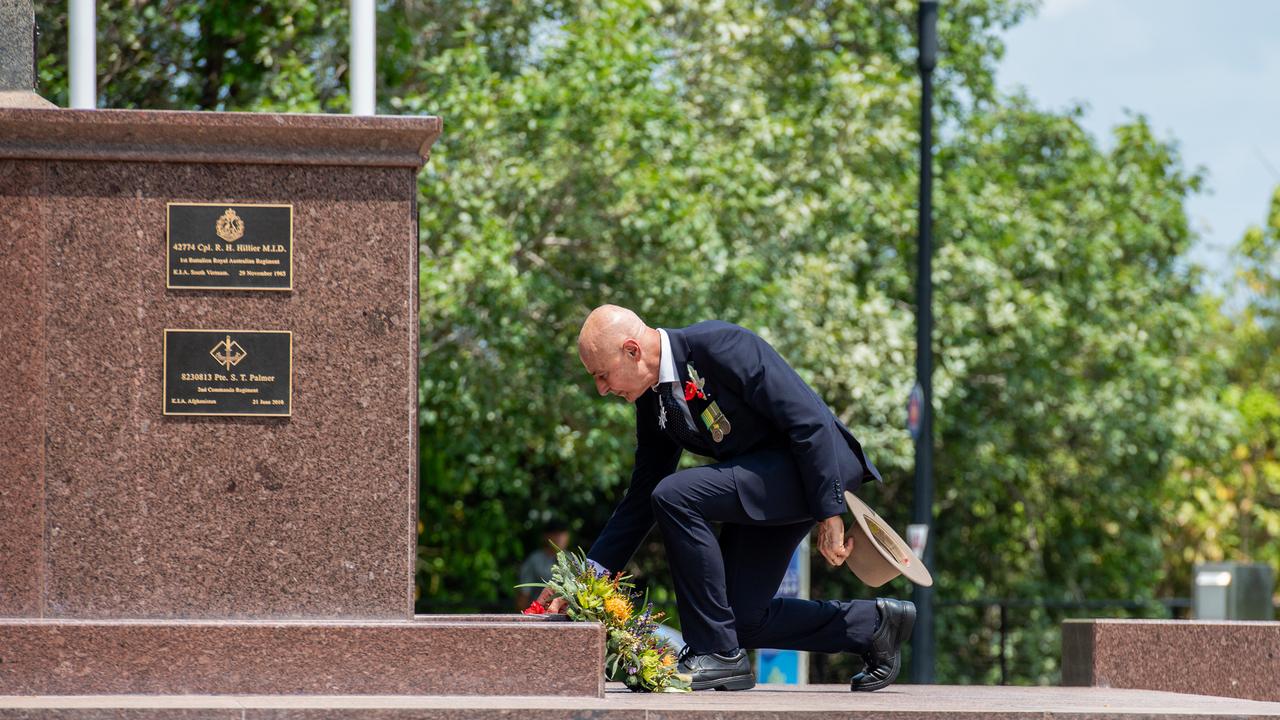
680	356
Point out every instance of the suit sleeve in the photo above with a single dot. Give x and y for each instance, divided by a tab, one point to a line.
656	457
752	368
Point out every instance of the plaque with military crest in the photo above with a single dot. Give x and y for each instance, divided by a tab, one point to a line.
230	246
228	372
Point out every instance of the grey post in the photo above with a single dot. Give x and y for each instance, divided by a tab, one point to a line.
18	55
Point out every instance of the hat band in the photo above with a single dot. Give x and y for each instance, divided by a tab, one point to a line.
887	541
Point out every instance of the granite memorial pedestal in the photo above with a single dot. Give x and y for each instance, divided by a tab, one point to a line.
143	550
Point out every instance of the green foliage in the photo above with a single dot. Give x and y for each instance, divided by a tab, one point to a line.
1099	422
1223	497
757	163
278	55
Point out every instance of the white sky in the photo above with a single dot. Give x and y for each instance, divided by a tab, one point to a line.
1205	72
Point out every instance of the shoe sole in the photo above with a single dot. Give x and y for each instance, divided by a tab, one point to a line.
733	682
904	632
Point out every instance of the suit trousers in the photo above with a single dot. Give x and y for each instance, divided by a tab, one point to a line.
725	587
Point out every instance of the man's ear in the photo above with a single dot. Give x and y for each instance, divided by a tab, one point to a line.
631	348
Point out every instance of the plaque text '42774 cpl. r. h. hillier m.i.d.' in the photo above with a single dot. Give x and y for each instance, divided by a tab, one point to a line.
230	246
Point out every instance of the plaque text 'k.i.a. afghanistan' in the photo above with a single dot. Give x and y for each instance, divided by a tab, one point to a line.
228	372
232	246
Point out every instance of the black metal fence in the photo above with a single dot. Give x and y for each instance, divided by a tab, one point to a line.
1040	653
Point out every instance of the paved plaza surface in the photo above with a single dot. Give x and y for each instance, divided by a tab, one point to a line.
901	702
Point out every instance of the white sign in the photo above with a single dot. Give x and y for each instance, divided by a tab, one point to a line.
917	538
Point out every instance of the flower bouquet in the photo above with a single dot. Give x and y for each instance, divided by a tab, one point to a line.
634	654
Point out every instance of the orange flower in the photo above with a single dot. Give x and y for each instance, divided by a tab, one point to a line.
619	607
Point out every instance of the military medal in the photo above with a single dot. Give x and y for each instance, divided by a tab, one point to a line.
716	422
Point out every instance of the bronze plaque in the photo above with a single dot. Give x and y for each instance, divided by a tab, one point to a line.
228	372
232	246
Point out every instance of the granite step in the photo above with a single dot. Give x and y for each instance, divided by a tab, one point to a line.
429	655
1229	658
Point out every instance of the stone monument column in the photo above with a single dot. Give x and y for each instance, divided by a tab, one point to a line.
208	437
18	55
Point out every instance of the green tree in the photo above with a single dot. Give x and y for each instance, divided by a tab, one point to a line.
756	162
1223	498
229	55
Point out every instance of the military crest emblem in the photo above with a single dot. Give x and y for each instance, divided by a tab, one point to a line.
229	227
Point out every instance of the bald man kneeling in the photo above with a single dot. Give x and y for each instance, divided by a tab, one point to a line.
783	463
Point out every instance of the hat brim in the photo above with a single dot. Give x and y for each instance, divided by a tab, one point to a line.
879	554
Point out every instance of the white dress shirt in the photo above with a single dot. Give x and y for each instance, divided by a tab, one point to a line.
667	365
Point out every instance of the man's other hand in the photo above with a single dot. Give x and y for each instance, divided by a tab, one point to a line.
553	604
831	541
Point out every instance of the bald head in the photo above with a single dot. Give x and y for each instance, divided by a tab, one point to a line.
606	328
620	351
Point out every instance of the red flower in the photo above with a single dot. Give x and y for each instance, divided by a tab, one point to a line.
691	390
536	609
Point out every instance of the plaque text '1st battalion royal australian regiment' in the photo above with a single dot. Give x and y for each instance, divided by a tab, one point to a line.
230	246
228	372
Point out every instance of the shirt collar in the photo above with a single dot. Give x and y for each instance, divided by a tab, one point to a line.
667	366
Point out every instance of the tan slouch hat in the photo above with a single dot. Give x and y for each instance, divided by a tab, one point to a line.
879	554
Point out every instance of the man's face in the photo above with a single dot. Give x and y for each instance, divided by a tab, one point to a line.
618	371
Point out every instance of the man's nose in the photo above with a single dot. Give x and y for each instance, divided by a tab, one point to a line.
602	388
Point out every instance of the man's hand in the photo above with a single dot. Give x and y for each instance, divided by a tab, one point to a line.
554	605
831	541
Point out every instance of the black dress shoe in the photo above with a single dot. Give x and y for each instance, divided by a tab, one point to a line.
722	671
884	659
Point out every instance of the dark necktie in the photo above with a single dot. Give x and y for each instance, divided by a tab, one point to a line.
687	436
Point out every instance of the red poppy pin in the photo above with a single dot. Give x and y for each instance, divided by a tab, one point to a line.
693	386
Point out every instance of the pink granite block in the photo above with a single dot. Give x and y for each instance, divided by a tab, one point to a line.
115	510
216	138
1230	659
153	516
43	657
22	414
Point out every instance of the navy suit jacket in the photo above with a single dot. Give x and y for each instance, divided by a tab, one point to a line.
768	406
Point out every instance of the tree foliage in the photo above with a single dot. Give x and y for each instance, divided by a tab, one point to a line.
1100	423
1223	498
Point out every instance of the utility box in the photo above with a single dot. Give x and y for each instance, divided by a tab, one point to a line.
1233	591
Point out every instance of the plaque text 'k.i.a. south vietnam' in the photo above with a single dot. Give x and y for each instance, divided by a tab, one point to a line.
232	246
